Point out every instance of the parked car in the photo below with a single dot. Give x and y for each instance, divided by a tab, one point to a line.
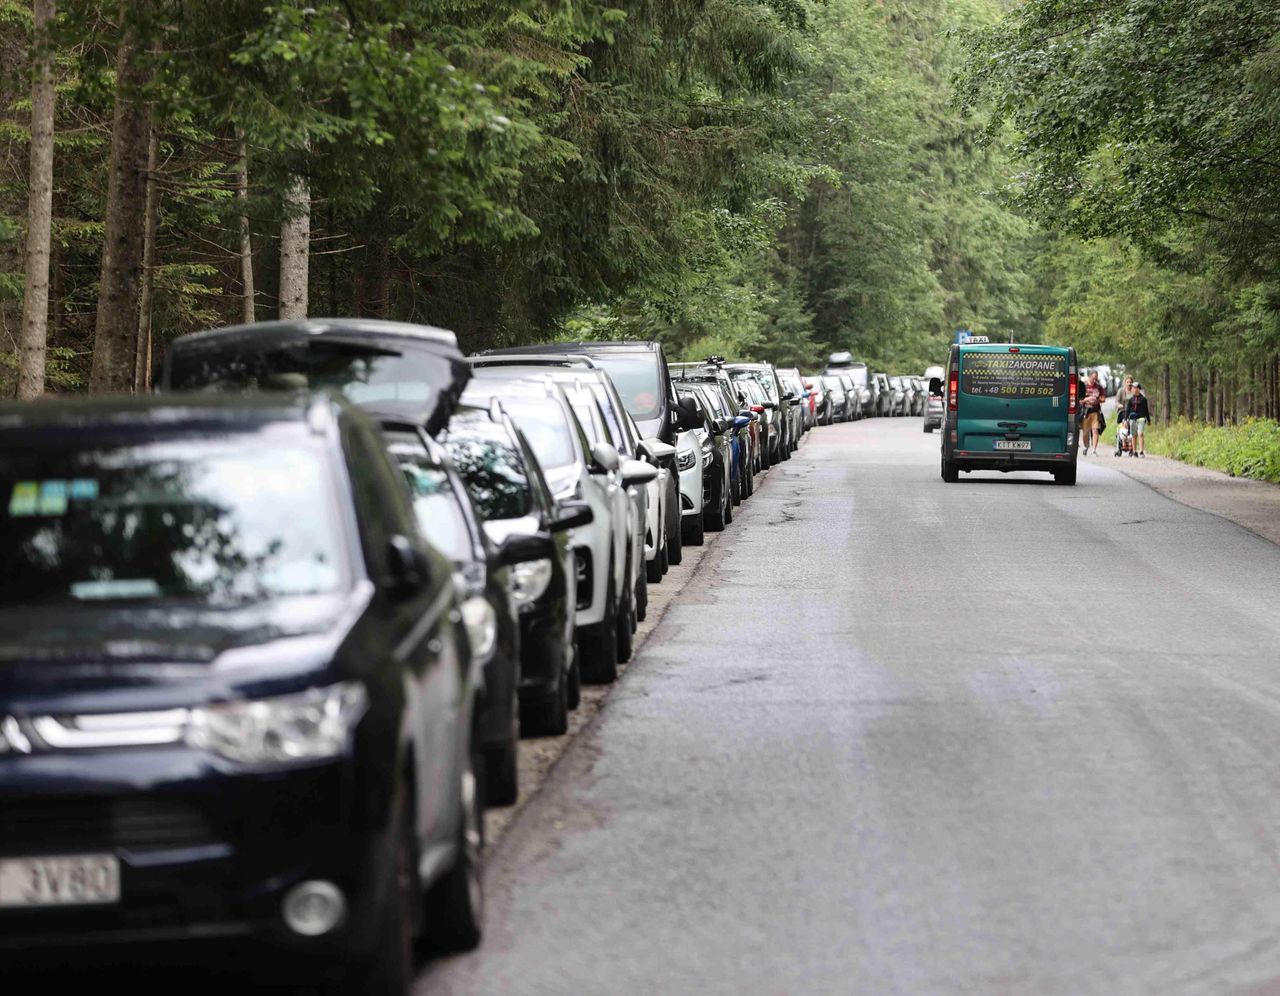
449	521
883	394
506	482
577	469
934	403
731	420
795	393
619	432
238	695
835	399
639	370
709	485
843	365
778	421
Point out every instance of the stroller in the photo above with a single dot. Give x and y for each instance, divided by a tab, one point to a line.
1124	439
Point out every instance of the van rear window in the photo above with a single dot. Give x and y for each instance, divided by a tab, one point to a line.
1014	376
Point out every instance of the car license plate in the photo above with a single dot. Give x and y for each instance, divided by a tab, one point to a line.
1013	444
66	880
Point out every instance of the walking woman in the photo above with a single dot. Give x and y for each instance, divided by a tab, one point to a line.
1138	413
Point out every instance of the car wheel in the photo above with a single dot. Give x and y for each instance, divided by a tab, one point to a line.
692	531
389	969
550	719
502	765
626	626
715	520
928	428
599	654
950	472
455	904
573	686
675	548
1065	476
642	595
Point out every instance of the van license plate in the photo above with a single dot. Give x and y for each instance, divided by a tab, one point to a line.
1013	444
68	880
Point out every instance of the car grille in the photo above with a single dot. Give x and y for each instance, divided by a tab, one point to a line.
94	825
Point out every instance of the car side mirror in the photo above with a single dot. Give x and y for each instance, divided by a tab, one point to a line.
662	453
572	514
723	425
688	415
742	421
605	458
935	386
638	472
757	408
521	549
771	405
406	567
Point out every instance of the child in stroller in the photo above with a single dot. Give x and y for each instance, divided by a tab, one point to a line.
1124	439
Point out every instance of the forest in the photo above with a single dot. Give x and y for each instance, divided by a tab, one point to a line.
764	179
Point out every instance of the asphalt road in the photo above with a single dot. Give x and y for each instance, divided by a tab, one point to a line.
902	736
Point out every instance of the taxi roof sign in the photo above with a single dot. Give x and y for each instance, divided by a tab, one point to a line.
974	339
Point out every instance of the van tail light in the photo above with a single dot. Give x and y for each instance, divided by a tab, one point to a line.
1071	394
953	389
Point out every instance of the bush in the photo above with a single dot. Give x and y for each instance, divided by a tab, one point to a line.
1250	449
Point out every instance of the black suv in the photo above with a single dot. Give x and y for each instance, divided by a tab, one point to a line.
236	694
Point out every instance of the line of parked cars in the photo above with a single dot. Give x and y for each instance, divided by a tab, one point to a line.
270	637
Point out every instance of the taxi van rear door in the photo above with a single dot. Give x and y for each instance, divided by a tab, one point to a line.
1013	400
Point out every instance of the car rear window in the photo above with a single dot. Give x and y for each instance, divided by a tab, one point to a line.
1013	376
545	426
494	473
636	377
197	520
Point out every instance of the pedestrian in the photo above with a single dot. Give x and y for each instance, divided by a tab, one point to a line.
1123	395
1091	405
1137	412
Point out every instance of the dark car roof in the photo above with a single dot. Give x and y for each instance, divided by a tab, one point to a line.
578	347
82	420
263	337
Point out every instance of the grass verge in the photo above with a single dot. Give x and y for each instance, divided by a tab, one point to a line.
1250	449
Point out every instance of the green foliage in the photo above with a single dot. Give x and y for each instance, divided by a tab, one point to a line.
1250	449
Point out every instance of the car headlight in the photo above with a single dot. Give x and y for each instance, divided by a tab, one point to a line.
685	460
529	580
707	452
310	726
482	625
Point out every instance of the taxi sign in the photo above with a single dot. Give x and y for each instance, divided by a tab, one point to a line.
973	339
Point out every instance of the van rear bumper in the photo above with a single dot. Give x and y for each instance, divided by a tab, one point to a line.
1007	462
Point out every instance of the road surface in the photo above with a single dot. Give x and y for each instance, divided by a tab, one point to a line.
902	736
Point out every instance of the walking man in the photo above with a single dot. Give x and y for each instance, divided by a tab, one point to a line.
1094	396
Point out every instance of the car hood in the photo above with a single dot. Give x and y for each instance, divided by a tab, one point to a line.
97	655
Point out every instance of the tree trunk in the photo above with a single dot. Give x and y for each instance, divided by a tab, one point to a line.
295	249
1275	387
34	337
142	359
116	329
1188	394
248	312
1165	394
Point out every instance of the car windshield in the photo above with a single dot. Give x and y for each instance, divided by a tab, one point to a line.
636	377
545	426
436	507
212	521
493	472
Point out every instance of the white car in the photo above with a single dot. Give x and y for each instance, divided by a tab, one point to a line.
575	468
693	459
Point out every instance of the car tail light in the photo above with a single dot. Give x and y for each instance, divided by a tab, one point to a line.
1014	349
953	389
1071	394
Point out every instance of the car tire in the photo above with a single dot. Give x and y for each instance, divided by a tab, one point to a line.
599	654
389	968
675	547
692	530
950	472
626	624
573	687
454	906
642	595
1065	476
550	719
715	520
502	766
928	428
653	568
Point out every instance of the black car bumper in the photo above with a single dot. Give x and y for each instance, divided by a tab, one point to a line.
203	855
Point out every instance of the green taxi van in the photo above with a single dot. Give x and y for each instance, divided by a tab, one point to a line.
1009	407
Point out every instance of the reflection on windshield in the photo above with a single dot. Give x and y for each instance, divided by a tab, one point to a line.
494	475
165	521
636	377
436	507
